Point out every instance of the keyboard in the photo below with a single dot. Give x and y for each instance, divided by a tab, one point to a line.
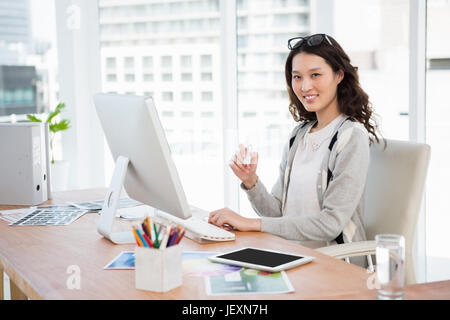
197	227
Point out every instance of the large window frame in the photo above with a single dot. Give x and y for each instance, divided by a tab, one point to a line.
417	113
84	143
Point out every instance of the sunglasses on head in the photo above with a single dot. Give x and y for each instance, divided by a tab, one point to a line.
313	40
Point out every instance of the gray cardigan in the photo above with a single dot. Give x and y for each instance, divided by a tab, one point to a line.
341	201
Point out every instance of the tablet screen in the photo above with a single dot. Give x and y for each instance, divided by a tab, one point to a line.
260	257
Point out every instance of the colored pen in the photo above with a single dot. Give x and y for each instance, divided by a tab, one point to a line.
156	237
179	229
145	229
148	240
159	232
172	238
148	224
142	238
166	237
138	240
180	236
152	233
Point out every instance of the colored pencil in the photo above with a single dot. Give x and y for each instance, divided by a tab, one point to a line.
148	241
180	236
166	237
156	237
145	229
142	238
172	238
138	240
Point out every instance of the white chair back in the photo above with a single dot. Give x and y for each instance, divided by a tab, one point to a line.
394	191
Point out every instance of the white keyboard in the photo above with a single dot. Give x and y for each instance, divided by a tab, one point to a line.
197	228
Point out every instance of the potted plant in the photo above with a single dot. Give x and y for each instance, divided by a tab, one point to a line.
59	168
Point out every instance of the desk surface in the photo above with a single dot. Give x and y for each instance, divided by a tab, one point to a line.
36	259
439	290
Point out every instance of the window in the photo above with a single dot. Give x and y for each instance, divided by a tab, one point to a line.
169	40
129	77
166	61
242	41
148	77
128	62
186	96
437	136
164	38
206	76
111	77
380	49
111	62
187	114
28	59
167	96
249	114
147	62
207	96
166	77
257	85
186	76
242	23
167	114
207	114
186	61
206	60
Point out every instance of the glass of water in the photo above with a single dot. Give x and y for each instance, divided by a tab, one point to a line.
390	255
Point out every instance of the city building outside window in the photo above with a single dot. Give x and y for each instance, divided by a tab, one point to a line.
148	32
28	59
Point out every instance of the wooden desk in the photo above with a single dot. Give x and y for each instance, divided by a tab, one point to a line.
37	258
439	290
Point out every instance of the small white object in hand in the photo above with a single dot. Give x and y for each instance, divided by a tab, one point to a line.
247	159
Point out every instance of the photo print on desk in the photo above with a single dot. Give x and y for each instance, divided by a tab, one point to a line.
248	281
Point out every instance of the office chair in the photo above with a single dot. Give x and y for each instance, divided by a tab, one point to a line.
1	284
394	191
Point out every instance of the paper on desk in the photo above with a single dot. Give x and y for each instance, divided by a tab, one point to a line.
248	281
13	215
197	264
125	260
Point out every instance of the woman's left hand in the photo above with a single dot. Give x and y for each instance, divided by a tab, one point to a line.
228	219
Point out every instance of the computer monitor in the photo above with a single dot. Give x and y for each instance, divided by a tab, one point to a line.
133	130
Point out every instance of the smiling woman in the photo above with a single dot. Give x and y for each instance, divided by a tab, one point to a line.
318	197
337	72
316	87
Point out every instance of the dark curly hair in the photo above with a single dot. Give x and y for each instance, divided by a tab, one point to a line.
352	100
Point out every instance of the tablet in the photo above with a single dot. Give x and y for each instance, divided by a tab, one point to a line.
261	259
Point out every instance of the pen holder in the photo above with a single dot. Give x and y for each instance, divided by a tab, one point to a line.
158	269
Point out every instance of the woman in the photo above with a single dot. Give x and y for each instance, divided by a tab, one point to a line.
318	197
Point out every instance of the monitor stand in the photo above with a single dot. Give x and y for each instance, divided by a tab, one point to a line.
108	212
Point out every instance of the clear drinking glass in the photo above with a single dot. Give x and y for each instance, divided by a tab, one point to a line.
390	255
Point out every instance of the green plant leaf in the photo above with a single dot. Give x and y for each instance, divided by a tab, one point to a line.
60	126
55	112
33	118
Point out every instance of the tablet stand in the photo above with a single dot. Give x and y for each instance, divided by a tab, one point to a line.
108	212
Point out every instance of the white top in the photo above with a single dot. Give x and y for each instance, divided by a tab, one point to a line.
304	174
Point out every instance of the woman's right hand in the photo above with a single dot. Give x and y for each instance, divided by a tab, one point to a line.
245	172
